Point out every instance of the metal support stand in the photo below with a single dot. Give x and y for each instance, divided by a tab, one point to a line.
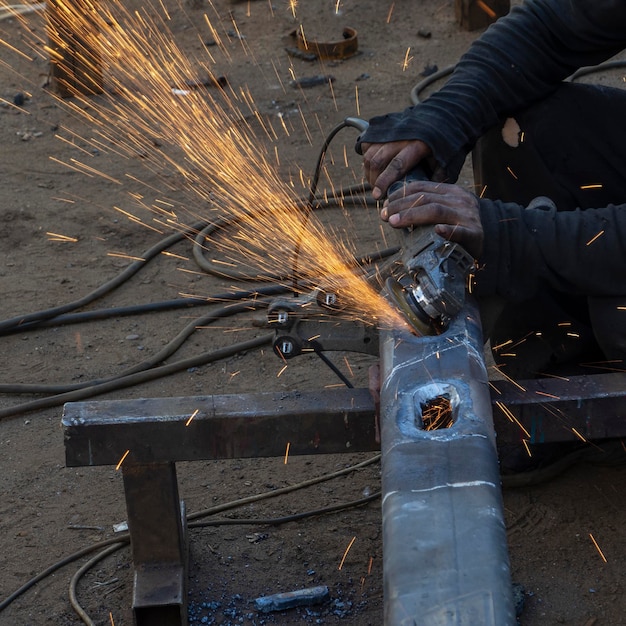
157	525
445	559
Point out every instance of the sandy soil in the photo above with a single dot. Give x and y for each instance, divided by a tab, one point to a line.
49	511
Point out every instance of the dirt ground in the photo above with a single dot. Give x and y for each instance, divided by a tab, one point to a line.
62	237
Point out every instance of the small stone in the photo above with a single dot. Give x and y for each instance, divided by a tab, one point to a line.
19	99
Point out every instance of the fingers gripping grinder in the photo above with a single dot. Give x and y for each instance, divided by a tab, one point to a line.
429	285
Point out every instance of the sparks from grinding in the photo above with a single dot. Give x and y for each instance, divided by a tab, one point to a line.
287	453
62	238
594	238
220	162
487	9
191	417
597	547
390	12
407	59
345	554
117	467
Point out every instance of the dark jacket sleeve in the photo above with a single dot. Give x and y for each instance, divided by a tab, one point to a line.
518	60
575	252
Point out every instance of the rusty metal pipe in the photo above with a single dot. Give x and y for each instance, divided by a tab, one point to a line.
445	557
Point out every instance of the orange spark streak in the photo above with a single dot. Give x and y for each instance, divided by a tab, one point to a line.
121	255
594	186
345	554
579	435
390	12
407	59
287	453
594	238
191	417
57	237
111	618
117	467
595	543
511	172
486	8
505	409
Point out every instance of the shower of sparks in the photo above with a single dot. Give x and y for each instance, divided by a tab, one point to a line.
119	464
191	417
345	554
148	106
511	416
597	547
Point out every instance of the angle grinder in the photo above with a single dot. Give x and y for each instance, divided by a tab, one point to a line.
429	290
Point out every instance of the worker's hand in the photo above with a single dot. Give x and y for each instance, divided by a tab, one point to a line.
385	163
451	209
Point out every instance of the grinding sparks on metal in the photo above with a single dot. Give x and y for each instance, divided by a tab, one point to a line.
345	554
147	107
597	547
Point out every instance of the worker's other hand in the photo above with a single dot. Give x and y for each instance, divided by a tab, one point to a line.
385	163
452	210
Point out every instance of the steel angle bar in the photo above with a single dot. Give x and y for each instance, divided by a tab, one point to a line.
445	558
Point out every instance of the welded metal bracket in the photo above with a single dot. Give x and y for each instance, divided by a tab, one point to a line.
150	435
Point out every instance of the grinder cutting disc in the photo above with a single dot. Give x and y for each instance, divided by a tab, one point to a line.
403	299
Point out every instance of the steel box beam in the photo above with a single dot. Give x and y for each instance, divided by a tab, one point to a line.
223	427
561	409
445	557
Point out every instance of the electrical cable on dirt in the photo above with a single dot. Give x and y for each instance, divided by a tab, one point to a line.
131	270
148	364
138	378
124	538
151	307
79	574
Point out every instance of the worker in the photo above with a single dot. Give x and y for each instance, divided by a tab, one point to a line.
546	222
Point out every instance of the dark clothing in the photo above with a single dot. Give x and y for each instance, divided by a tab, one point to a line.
576	249
520	59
